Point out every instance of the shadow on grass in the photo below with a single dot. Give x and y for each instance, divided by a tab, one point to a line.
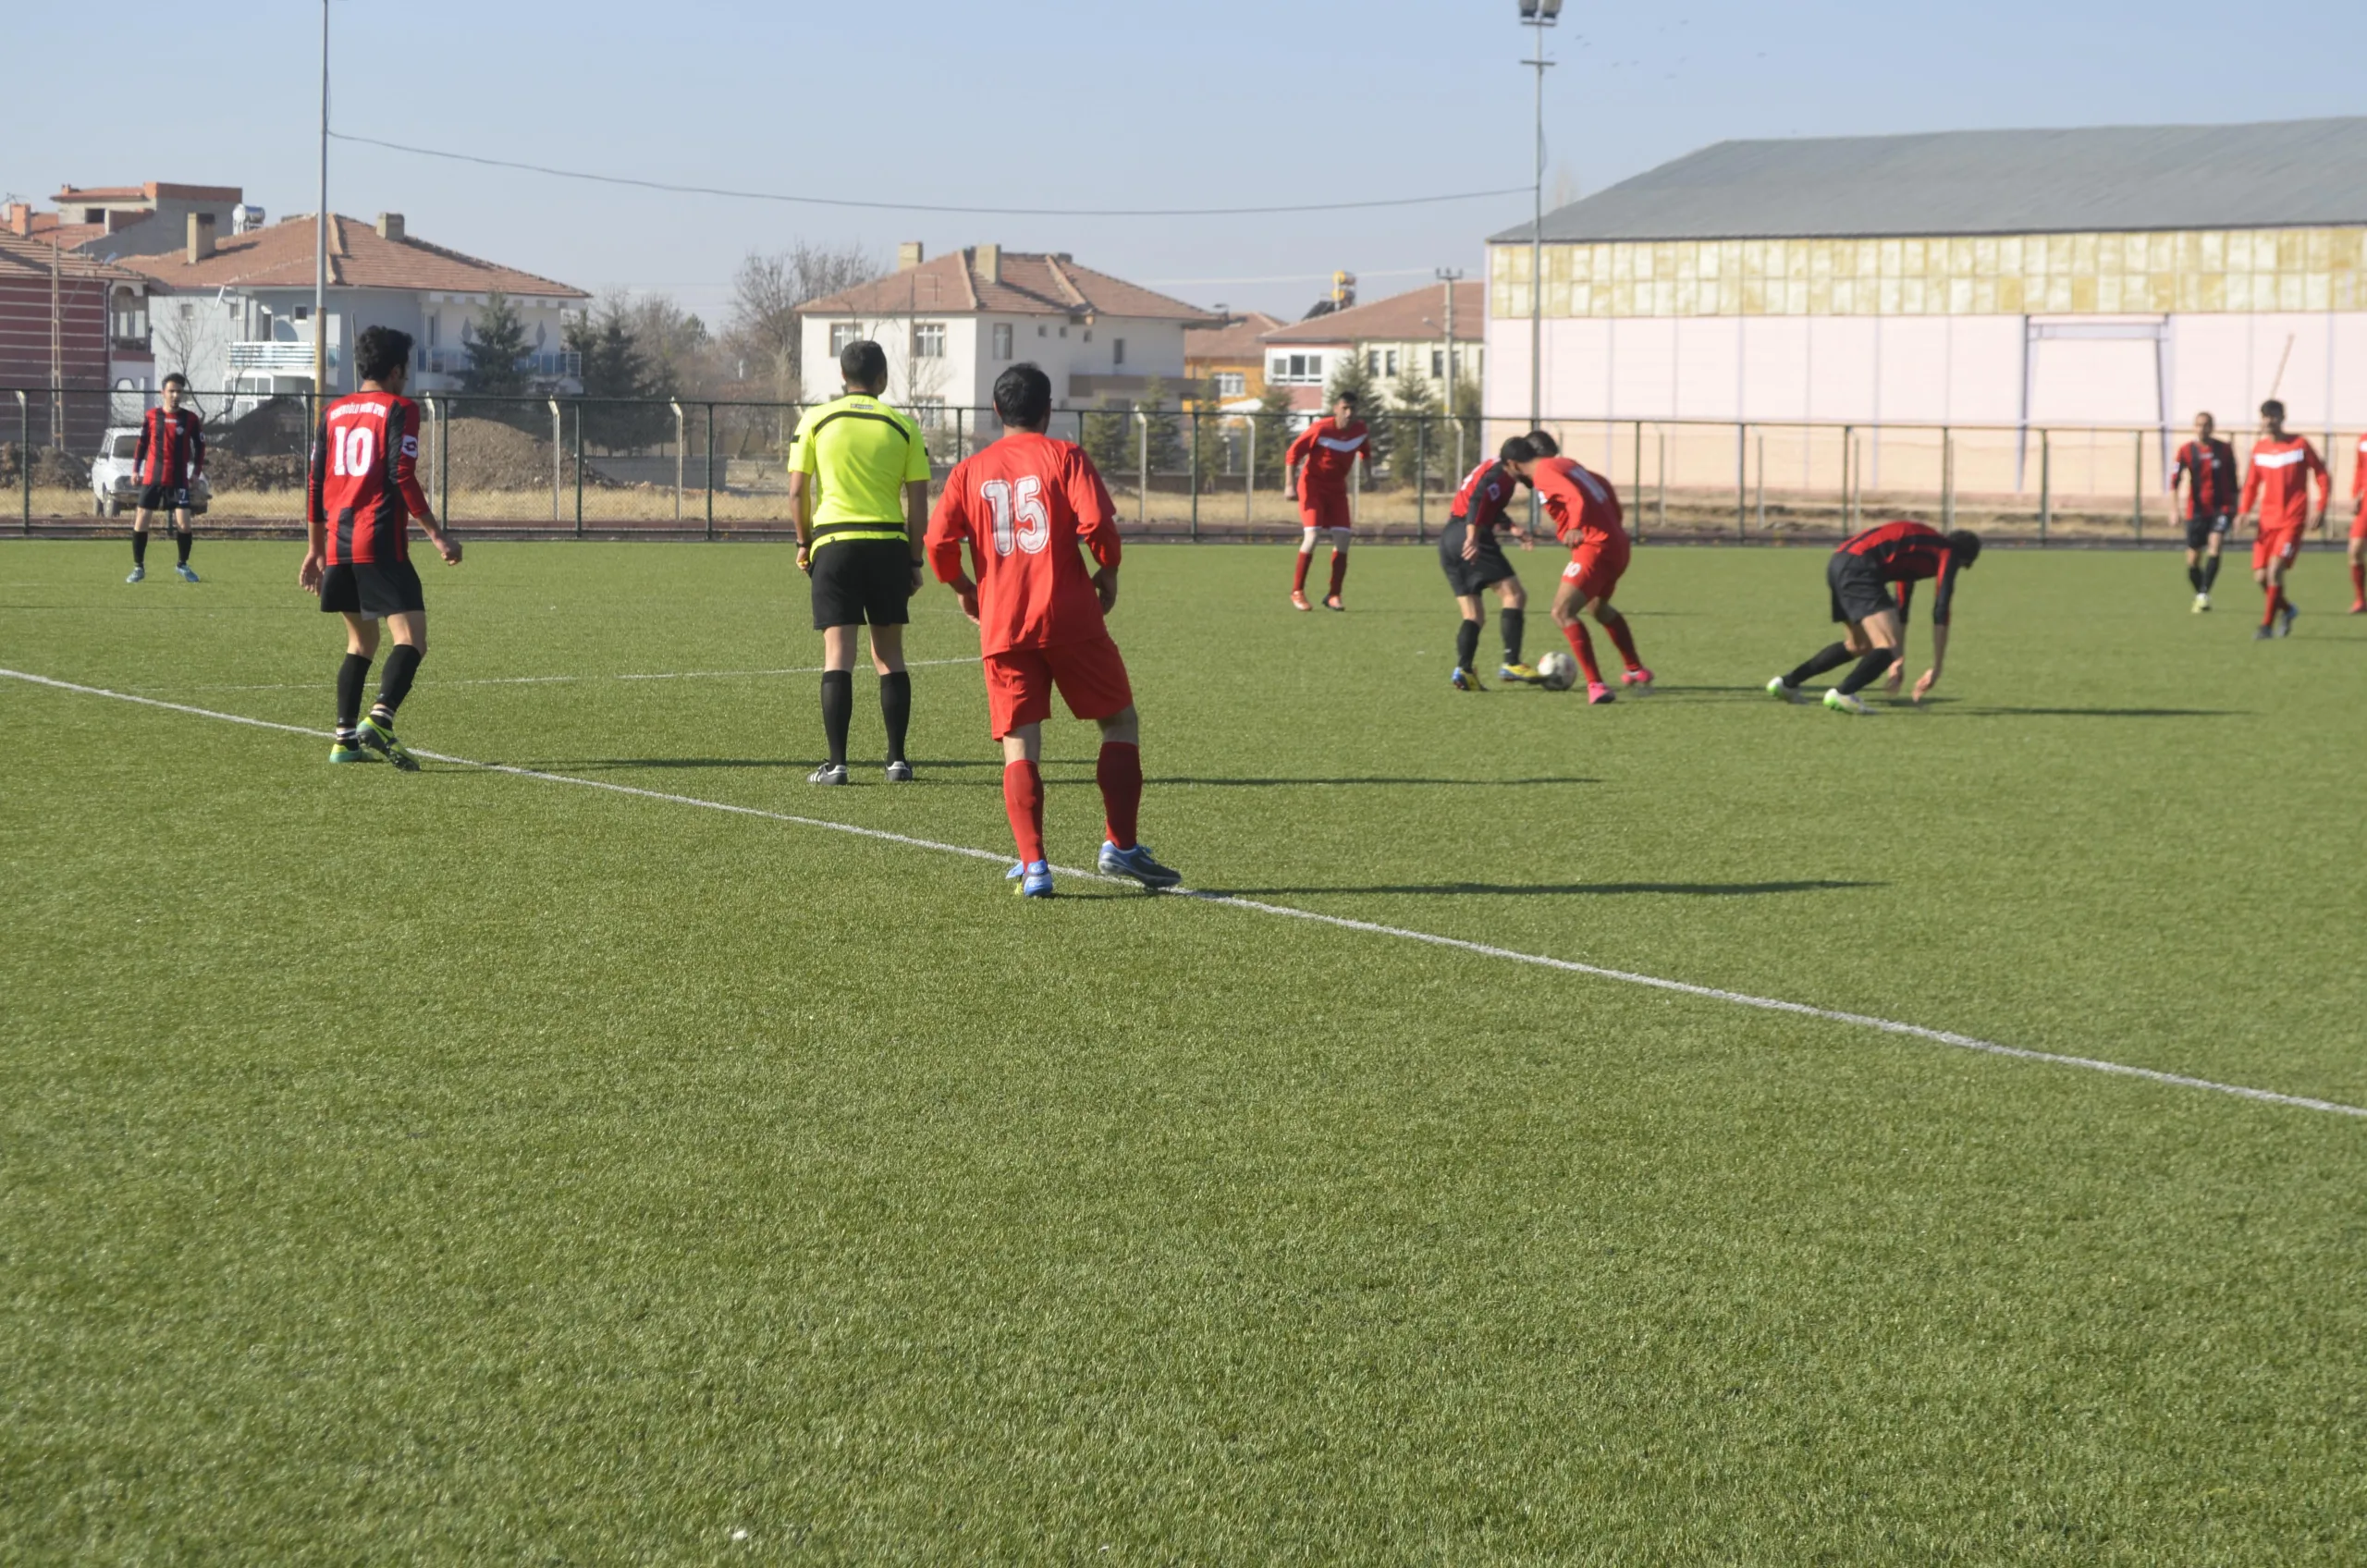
923	766
1593	890
1989	710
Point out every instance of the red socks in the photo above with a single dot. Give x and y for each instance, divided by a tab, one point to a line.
1298	583
2359	583
1022	801
2275	600
1583	645
1339	568
1626	641
1120	773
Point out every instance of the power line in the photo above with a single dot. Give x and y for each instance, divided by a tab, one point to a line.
922	206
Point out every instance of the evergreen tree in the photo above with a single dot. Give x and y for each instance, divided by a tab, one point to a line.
1351	379
1272	423
621	384
496	350
1108	441
1467	414
1164	431
1413	406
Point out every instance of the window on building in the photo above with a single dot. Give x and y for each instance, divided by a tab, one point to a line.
1042	331
434	328
1232	384
929	412
1116	351
1438	365
841	334
1002	340
1372	361
1088	334
1389	362
928	340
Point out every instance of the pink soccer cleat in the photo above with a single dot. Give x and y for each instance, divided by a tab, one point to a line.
1638	676
1597	693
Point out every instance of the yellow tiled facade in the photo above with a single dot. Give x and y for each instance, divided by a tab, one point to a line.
2217	270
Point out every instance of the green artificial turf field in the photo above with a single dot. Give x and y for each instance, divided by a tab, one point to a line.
466	1166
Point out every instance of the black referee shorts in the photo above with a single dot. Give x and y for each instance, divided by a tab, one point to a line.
372	590
1859	591
862	581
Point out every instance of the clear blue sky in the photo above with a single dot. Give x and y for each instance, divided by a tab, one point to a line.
1224	101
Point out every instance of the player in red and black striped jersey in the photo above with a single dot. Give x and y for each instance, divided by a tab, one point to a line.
1471	553
1861	575
2207	467
363	493
165	463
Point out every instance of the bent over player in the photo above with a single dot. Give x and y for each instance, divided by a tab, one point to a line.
170	456
1587	517
1024	503
1860	575
2276	487
1472	555
2208	466
365	490
1319	461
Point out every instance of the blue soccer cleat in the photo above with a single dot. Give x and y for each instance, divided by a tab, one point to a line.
1035	879
1137	864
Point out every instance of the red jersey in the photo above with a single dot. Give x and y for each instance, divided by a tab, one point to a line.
365	482
2279	483
1329	450
172	448
1907	553
1487	491
2209	469
2359	478
1024	503
1584	506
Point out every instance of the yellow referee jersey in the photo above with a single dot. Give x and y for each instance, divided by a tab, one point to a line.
861	453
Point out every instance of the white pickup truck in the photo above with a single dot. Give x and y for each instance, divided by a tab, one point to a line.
115	487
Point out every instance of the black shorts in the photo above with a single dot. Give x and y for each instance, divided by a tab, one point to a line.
2202	525
375	591
1859	591
163	497
859	581
1484	570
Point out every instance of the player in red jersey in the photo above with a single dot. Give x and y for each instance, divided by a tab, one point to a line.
2208	466
2358	531
1471	553
2276	487
365	490
1860	574
1587	517
1024	503
170	456
1318	480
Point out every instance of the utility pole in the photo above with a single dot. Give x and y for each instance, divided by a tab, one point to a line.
56	346
321	231
1449	276
1539	15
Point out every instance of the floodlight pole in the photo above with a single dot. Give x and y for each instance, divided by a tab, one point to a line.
321	229
1539	16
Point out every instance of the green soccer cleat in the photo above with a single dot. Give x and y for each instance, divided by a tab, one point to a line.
381	740
341	750
1840	701
1783	693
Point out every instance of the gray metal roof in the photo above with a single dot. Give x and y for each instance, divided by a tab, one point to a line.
2112	177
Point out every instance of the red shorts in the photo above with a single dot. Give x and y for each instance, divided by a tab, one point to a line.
1322	508
2358	524
2276	544
1091	677
1597	568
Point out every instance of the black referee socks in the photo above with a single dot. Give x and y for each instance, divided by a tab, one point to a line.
895	710
837	711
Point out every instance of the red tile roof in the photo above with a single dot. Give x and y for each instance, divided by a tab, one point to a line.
20	256
359	257
150	192
1397	319
1236	339
1032	284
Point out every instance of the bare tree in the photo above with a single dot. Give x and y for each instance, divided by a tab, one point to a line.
765	294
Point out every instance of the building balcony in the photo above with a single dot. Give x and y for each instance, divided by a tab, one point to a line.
276	358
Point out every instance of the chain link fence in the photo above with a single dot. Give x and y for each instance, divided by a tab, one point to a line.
594	468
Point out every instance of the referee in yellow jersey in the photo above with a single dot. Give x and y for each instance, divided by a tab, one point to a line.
858	487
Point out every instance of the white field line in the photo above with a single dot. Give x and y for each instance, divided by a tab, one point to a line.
560	680
1567	966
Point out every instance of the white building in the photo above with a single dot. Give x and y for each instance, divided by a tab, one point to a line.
235	312
951	325
2120	276
1433	333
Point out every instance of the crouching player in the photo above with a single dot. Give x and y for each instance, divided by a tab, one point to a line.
364	492
1860	575
1471	553
1587	517
1024	503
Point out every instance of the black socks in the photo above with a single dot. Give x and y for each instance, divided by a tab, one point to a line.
1870	668
350	677
895	709
402	664
2210	572
1511	619
139	546
180	542
1466	645
1833	656
837	711
2194	577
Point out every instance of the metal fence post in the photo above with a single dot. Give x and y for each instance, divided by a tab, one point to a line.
710	470
1947	479
25	456
676	404
579	468
1195	461
1660	477
1249	486
1421	481
2045	486
1849	472
1761	487
1742	481
443	457
1142	489
558	458
2137	503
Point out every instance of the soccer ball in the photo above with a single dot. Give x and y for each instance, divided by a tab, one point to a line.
1557	671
